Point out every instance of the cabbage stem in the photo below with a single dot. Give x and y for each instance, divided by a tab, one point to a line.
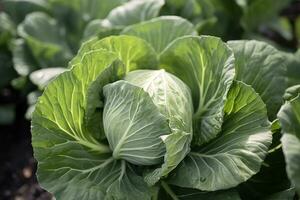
169	190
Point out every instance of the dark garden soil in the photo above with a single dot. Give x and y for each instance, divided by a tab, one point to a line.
17	165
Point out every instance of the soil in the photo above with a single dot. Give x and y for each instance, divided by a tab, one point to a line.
18	167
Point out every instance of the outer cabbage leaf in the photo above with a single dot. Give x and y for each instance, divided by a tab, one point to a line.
134	52
289	117
75	14
260	11
97	9
64	112
134	12
173	99
23	60
161	31
291	92
293	67
263	67
133	124
7	28
127	14
206	65
272	176
67	152
89	9
46	39
129	186
86	174
101	29
18	9
72	18
237	153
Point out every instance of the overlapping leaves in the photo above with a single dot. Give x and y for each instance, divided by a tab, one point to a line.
79	156
123	139
237	153
289	117
192	59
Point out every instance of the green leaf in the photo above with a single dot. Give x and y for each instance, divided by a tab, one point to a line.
75	5
258	12
157	31
75	16
288	194
100	29
271	178
134	12
42	77
293	67
239	150
134	52
85	174
69	16
168	192
137	138
291	92
88	9
20	83
206	65
65	149
263	67
46	39
95	98
142	56
7	28
289	117
275	126
63	113
177	147
282	26
23	60
129	187
98	9
173	99
291	150
18	9
60	119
